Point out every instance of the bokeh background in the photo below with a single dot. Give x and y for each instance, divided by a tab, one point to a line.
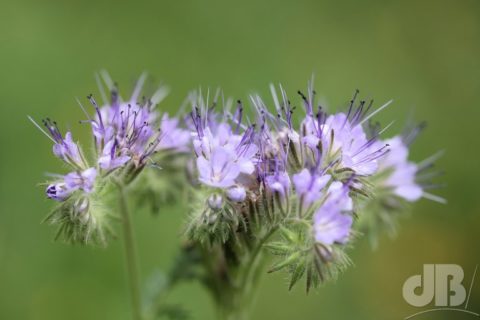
423	54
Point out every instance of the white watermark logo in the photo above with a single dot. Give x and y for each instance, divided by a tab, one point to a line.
442	284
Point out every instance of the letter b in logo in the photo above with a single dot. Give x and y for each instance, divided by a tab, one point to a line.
442	281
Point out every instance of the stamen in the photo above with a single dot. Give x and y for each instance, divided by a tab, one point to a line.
41	129
375	112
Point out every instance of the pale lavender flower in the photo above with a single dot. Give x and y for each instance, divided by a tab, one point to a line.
67	149
173	137
81	180
129	126
245	157
358	152
402	177
331	222
345	140
236	194
340	139
241	151
219	170
134	129
73	181
58	191
222	153
64	147
110	158
278	182
309	187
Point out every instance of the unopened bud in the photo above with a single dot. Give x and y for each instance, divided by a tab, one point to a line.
81	210
215	201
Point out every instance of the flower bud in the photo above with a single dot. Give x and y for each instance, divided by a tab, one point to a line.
58	191
215	202
236	194
80	211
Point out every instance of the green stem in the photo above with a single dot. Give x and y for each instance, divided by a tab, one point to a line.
247	282
255	254
130	254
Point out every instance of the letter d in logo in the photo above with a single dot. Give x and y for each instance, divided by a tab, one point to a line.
428	286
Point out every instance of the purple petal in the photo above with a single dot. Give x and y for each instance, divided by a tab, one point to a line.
237	194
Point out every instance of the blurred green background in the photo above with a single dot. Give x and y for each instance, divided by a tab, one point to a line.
423	54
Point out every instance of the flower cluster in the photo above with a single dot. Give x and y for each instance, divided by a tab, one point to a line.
300	182
311	176
126	134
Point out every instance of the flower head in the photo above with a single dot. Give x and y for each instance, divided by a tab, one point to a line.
133	130
223	153
126	134
341	139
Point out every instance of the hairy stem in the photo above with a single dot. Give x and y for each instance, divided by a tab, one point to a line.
130	254
244	295
254	257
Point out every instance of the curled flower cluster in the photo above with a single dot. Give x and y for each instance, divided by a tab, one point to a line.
310	176
127	134
299	182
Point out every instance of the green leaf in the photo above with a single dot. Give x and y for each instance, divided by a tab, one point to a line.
277	248
288	261
289	235
297	274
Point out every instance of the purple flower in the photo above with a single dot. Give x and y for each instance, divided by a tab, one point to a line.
67	150
222	153
349	144
64	147
402	178
71	182
330	222
241	149
278	182
340	139
58	191
110	158
136	129
245	157
219	171
81	180
173	137
129	125
309	187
